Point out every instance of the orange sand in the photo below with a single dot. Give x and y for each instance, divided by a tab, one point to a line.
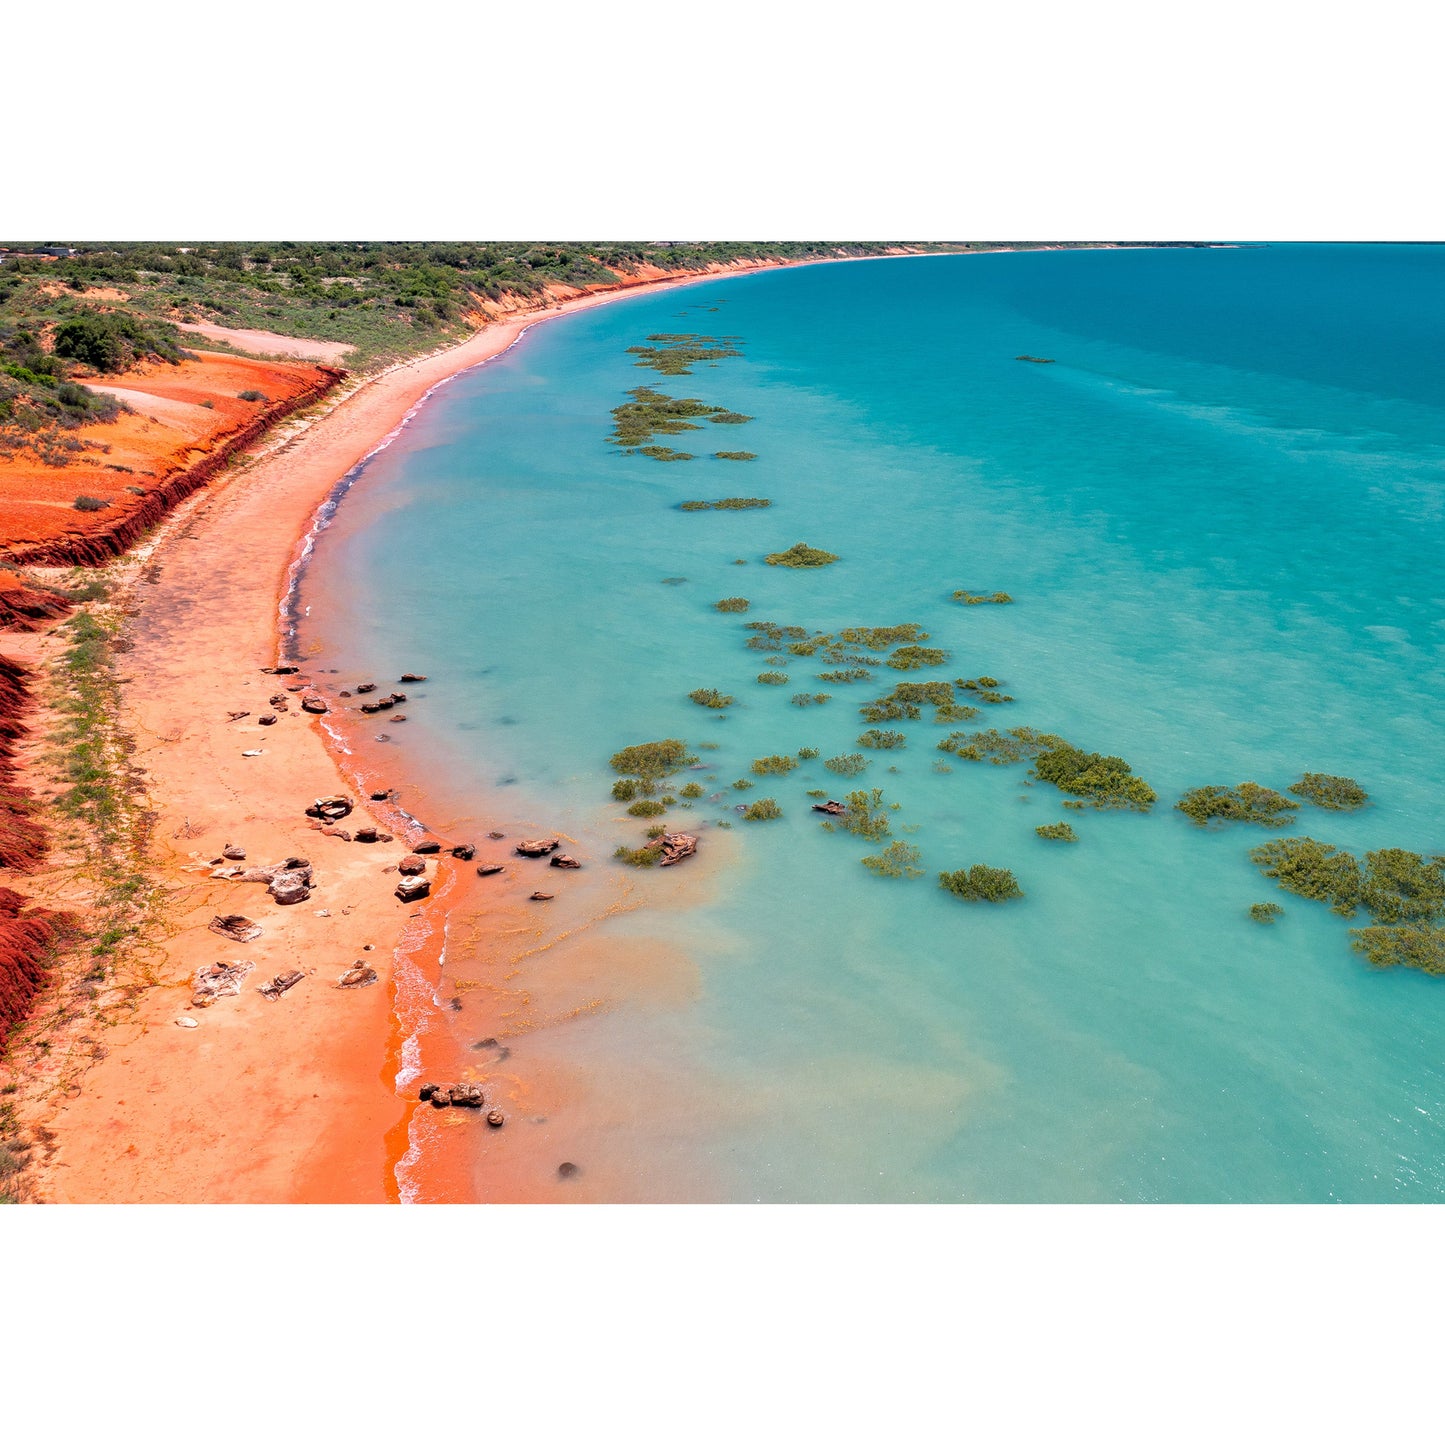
293	1100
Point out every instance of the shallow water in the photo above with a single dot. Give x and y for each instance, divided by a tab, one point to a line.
1219	512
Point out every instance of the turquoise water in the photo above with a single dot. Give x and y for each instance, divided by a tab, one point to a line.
1219	512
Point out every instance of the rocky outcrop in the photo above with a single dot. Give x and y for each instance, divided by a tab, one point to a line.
413	890
411	865
538	847
564	860
674	847
28	609
219	980
282	983
331	809
91	549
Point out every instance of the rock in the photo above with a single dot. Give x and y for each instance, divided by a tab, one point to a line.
411	864
412	677
464	851
312	703
441	1098
289	888
236	716
399	717
398	697
359	975
540	897
382	797
281	984
252	753
282	671
832	808
218	980
538	847
233	851
370	707
427	1090
467	1096
236	926
496	835
365	687
330	809
187	1024
345	692
564	860
337	833
280	700
365	835
411	890
486	870
567	1171
266	719
496	1118
430	845
675	847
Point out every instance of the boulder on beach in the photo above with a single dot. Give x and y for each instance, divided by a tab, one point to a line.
538	847
266	719
486	870
337	833
540	897
233	850
564	860
312	703
411	864
359	975
284	671
496	1118
289	888
675	847
382	796
366	687
411	890
235	926
281	984
367	834
331	808
427	845
218	980
412	677
465	851
467	1096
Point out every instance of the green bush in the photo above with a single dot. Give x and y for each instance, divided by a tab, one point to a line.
652	760
806	754
852	674
114	340
897	860
626	789
777	763
848	764
1058	832
1104	782
692	790
981	884
867	815
647	808
732	604
743	784
800	555
1326	790
1313	870
1410	946
644	857
680	353
250	396
881	738
1265	912
762	810
773	679
711	697
975	599
909	659
90	504
736	456
1248	803
810	699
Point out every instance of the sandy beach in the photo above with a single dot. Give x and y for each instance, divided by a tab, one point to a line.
253	1099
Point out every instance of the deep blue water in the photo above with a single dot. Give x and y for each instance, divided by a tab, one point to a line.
1219	512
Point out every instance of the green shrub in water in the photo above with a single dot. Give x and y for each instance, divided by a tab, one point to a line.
881	738
773	679
777	763
647	808
981	884
732	604
975	599
897	860
801	555
711	697
1102	781
638	857
1326	790
1248	803
867	815
1265	912
1058	832
1414	945
692	790
848	764
909	659
762	810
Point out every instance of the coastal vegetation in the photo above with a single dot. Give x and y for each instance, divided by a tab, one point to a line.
1101	781
810	699
850	674
644	857
1057	832
981	884
1419	946
711	697
1247	803
897	860
732	604
778	763
646	808
1265	912
999	748
691	790
676	353
800	554
727	504
90	504
866	815
773	679
653	413
847	764
1313	870
40	406
984	689
910	659
1326	790
977	599
115	340
881	738
763	810
736	456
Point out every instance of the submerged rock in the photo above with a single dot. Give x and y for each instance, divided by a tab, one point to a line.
538	847
486	870
465	851
564	860
675	847
312	703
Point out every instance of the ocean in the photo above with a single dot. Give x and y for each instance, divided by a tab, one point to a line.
1218	512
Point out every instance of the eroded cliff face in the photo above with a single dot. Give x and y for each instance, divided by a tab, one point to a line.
27	935
106	535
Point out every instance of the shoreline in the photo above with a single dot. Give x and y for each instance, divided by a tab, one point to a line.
293	1100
